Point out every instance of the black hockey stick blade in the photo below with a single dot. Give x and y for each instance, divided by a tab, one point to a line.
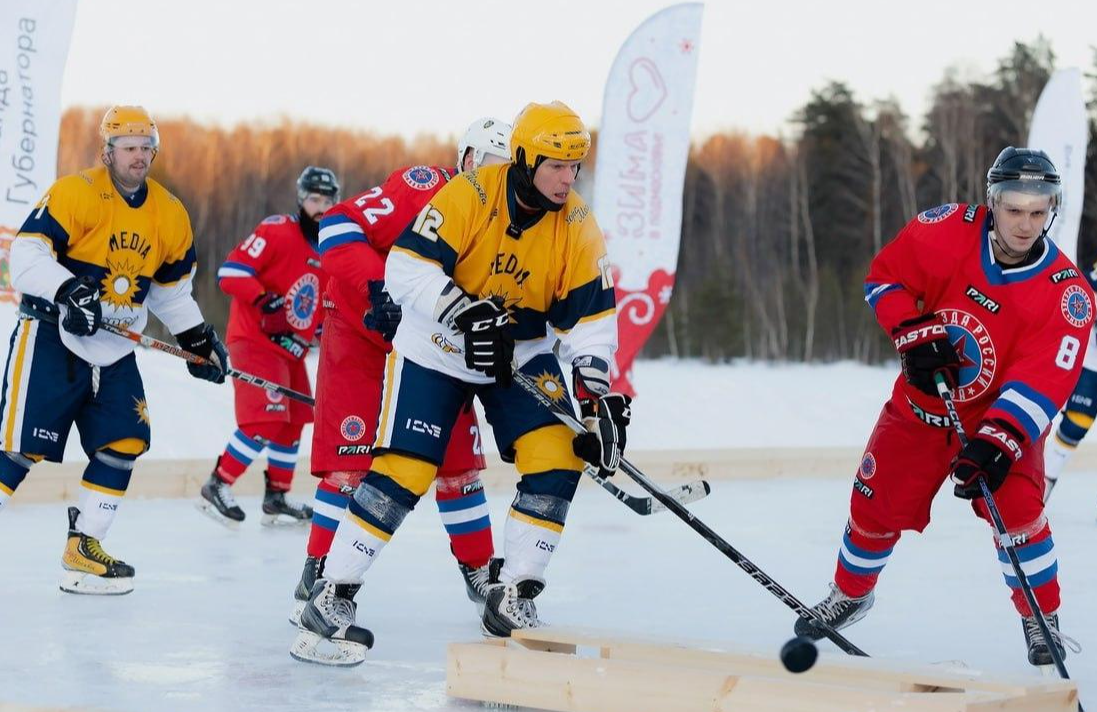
683	494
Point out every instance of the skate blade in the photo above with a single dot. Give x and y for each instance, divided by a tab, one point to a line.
83	583
210	511
311	648
298	609
283	521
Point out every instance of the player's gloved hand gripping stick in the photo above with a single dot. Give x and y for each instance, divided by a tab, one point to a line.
696	524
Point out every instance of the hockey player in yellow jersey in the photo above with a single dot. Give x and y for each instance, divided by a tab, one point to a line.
504	263
104	245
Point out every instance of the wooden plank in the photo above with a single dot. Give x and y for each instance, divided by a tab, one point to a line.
574	670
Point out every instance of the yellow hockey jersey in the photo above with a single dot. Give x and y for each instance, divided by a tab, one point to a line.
139	249
554	278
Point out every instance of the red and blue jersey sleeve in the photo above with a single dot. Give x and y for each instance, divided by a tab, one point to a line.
241	274
1042	374
357	234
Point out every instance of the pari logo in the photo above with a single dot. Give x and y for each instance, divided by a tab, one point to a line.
301	301
978	359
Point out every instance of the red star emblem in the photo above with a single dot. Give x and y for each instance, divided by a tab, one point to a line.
961	351
686	46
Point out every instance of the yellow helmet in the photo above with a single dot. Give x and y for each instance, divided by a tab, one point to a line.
544	131
128	121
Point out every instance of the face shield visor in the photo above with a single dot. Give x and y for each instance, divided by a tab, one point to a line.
1026	194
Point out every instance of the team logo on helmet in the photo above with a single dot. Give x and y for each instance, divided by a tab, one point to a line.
421	177
978	358
936	215
301	301
1076	306
868	466
352	428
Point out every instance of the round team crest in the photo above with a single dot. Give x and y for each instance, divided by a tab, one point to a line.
301	301
352	428
936	215
274	396
868	466
978	359
421	177
1076	306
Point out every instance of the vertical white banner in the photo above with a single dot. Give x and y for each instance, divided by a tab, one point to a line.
643	146
34	44
1059	128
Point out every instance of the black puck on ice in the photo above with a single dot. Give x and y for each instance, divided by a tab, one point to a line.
799	654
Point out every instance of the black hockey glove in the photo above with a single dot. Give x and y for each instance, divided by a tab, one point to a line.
272	313
489	345
606	415
384	314
202	341
83	310
607	420
990	453
292	343
924	349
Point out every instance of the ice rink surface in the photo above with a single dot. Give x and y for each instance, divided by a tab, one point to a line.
206	630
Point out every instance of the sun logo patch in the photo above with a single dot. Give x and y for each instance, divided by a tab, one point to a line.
1076	306
120	285
550	385
141	408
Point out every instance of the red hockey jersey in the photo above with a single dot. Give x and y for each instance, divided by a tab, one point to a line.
275	258
356	234
1020	332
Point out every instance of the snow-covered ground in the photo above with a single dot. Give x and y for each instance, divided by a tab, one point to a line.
205	630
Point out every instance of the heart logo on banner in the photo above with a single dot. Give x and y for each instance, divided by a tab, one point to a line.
647	91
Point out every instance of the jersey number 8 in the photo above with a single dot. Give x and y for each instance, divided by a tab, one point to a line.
1068	352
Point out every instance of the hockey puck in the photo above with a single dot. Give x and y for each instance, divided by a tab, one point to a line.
799	654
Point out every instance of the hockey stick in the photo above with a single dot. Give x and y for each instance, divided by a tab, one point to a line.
1004	539
167	348
696	524
683	494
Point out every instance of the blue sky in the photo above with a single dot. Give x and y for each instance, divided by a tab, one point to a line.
434	65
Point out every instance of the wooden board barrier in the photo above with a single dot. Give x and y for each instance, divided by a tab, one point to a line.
579	670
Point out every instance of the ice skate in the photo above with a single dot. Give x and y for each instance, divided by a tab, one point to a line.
837	609
218	503
327	631
478	581
1038	652
89	569
510	606
313	565
280	512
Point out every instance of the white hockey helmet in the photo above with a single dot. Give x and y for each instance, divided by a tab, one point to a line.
485	135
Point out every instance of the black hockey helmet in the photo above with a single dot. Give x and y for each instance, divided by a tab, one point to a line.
321	181
1025	170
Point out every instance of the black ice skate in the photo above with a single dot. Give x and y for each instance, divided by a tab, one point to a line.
510	606
280	512
478	581
837	609
1038	652
313	565
89	569
328	634
218	503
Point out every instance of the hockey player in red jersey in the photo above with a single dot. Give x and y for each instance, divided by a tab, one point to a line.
275	281
981	296
355	237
